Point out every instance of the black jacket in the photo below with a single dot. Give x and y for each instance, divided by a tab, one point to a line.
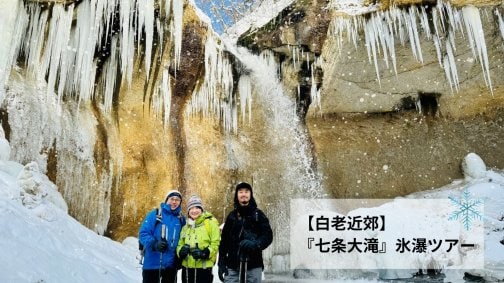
244	222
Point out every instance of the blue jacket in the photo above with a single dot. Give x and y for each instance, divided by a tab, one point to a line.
150	233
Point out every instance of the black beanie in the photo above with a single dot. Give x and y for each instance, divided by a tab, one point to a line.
244	185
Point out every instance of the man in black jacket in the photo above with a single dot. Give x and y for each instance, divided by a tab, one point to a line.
245	234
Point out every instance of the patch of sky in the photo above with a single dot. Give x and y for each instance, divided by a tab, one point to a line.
225	13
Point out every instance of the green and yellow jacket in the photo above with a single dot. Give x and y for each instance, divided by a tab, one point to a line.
206	234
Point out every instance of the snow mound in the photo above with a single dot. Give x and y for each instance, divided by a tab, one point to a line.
42	243
473	166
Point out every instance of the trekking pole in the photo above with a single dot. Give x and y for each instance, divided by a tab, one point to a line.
197	248
242	273
240	267
245	271
163	237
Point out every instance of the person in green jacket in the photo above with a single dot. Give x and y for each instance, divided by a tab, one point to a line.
198	244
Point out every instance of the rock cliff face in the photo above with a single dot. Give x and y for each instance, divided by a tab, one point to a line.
354	123
378	132
154	153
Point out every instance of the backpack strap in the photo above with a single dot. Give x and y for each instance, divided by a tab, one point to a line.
207	224
181	218
159	215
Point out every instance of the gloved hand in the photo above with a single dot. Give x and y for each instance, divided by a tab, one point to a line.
223	271
248	245
161	245
184	251
205	253
197	253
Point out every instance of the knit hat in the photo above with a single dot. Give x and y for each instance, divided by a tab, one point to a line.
173	193
194	201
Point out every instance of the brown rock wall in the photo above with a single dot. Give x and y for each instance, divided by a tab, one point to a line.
389	155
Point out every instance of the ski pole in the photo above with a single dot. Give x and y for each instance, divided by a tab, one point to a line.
242	276
240	272
245	276
163	237
197	248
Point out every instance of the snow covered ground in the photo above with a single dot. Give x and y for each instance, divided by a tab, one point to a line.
40	242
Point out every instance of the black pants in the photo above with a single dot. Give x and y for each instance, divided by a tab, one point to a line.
202	275
152	275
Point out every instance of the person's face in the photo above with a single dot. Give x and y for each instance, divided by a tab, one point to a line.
194	212
243	196
173	202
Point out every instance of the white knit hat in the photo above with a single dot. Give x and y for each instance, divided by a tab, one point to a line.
194	201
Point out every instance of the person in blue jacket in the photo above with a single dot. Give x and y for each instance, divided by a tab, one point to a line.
159	234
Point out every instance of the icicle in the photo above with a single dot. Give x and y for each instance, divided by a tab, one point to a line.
450	67
437	45
145	21
436	38
13	45
424	22
501	23
34	40
110	9
307	59
160	29
167	9
371	46
294	49
410	20
162	98
418	106
101	15
440	10
476	38
348	26
110	74
314	93
127	40
57	41
178	11
149	34
245	91
87	40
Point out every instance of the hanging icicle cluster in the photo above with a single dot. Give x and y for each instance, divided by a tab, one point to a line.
383	28
64	44
298	55
215	94
83	50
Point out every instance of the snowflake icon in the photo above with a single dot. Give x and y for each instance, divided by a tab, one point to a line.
467	209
